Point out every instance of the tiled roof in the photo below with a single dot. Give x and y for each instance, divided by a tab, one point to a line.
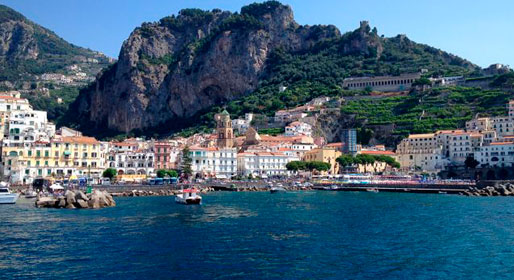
388	153
79	140
426	135
501	143
336	144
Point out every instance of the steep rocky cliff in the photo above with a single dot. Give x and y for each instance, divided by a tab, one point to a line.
173	70
28	49
180	65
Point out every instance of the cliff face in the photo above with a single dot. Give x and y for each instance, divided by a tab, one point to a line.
17	41
28	49
180	65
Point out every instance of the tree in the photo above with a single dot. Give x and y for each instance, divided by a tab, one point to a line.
296	165
422	82
318	165
345	160
109	173
172	173
161	173
388	160
365	160
187	161
470	162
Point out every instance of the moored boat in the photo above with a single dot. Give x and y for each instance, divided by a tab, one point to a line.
30	194
6	197
277	188
188	196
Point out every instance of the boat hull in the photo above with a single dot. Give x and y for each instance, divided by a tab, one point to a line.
188	201
276	191
8	198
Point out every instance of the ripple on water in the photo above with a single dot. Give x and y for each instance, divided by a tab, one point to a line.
258	235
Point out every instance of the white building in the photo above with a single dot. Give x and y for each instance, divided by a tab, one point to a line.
298	128
502	125
27	127
242	125
19	123
284	116
496	154
319	101
263	164
139	162
214	162
421	152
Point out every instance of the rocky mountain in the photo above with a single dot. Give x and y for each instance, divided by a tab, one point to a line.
28	50
170	72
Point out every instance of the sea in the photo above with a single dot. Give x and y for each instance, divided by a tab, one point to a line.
259	235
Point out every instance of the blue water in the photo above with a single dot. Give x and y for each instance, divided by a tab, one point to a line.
304	235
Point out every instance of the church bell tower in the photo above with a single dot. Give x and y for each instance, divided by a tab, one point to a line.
224	130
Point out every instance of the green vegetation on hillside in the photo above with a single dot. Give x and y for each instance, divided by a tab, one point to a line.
422	112
53	52
320	71
504	81
49	103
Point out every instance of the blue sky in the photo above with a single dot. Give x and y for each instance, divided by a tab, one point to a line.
480	32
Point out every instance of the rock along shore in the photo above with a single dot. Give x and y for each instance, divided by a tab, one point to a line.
172	192
499	190
71	200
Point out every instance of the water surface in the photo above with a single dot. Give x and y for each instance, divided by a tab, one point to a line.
296	235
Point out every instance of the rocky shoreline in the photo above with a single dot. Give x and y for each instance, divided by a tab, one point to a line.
499	190
171	192
71	200
161	192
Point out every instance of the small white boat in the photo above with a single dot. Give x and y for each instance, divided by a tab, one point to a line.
277	189
6	197
188	196
375	190
30	194
334	187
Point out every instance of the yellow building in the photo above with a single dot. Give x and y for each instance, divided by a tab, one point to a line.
325	154
63	157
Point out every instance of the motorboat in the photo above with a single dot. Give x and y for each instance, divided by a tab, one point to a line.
188	196
375	190
276	189
30	193
6	197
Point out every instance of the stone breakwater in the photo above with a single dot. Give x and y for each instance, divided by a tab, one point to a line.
78	199
172	192
499	190
161	192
